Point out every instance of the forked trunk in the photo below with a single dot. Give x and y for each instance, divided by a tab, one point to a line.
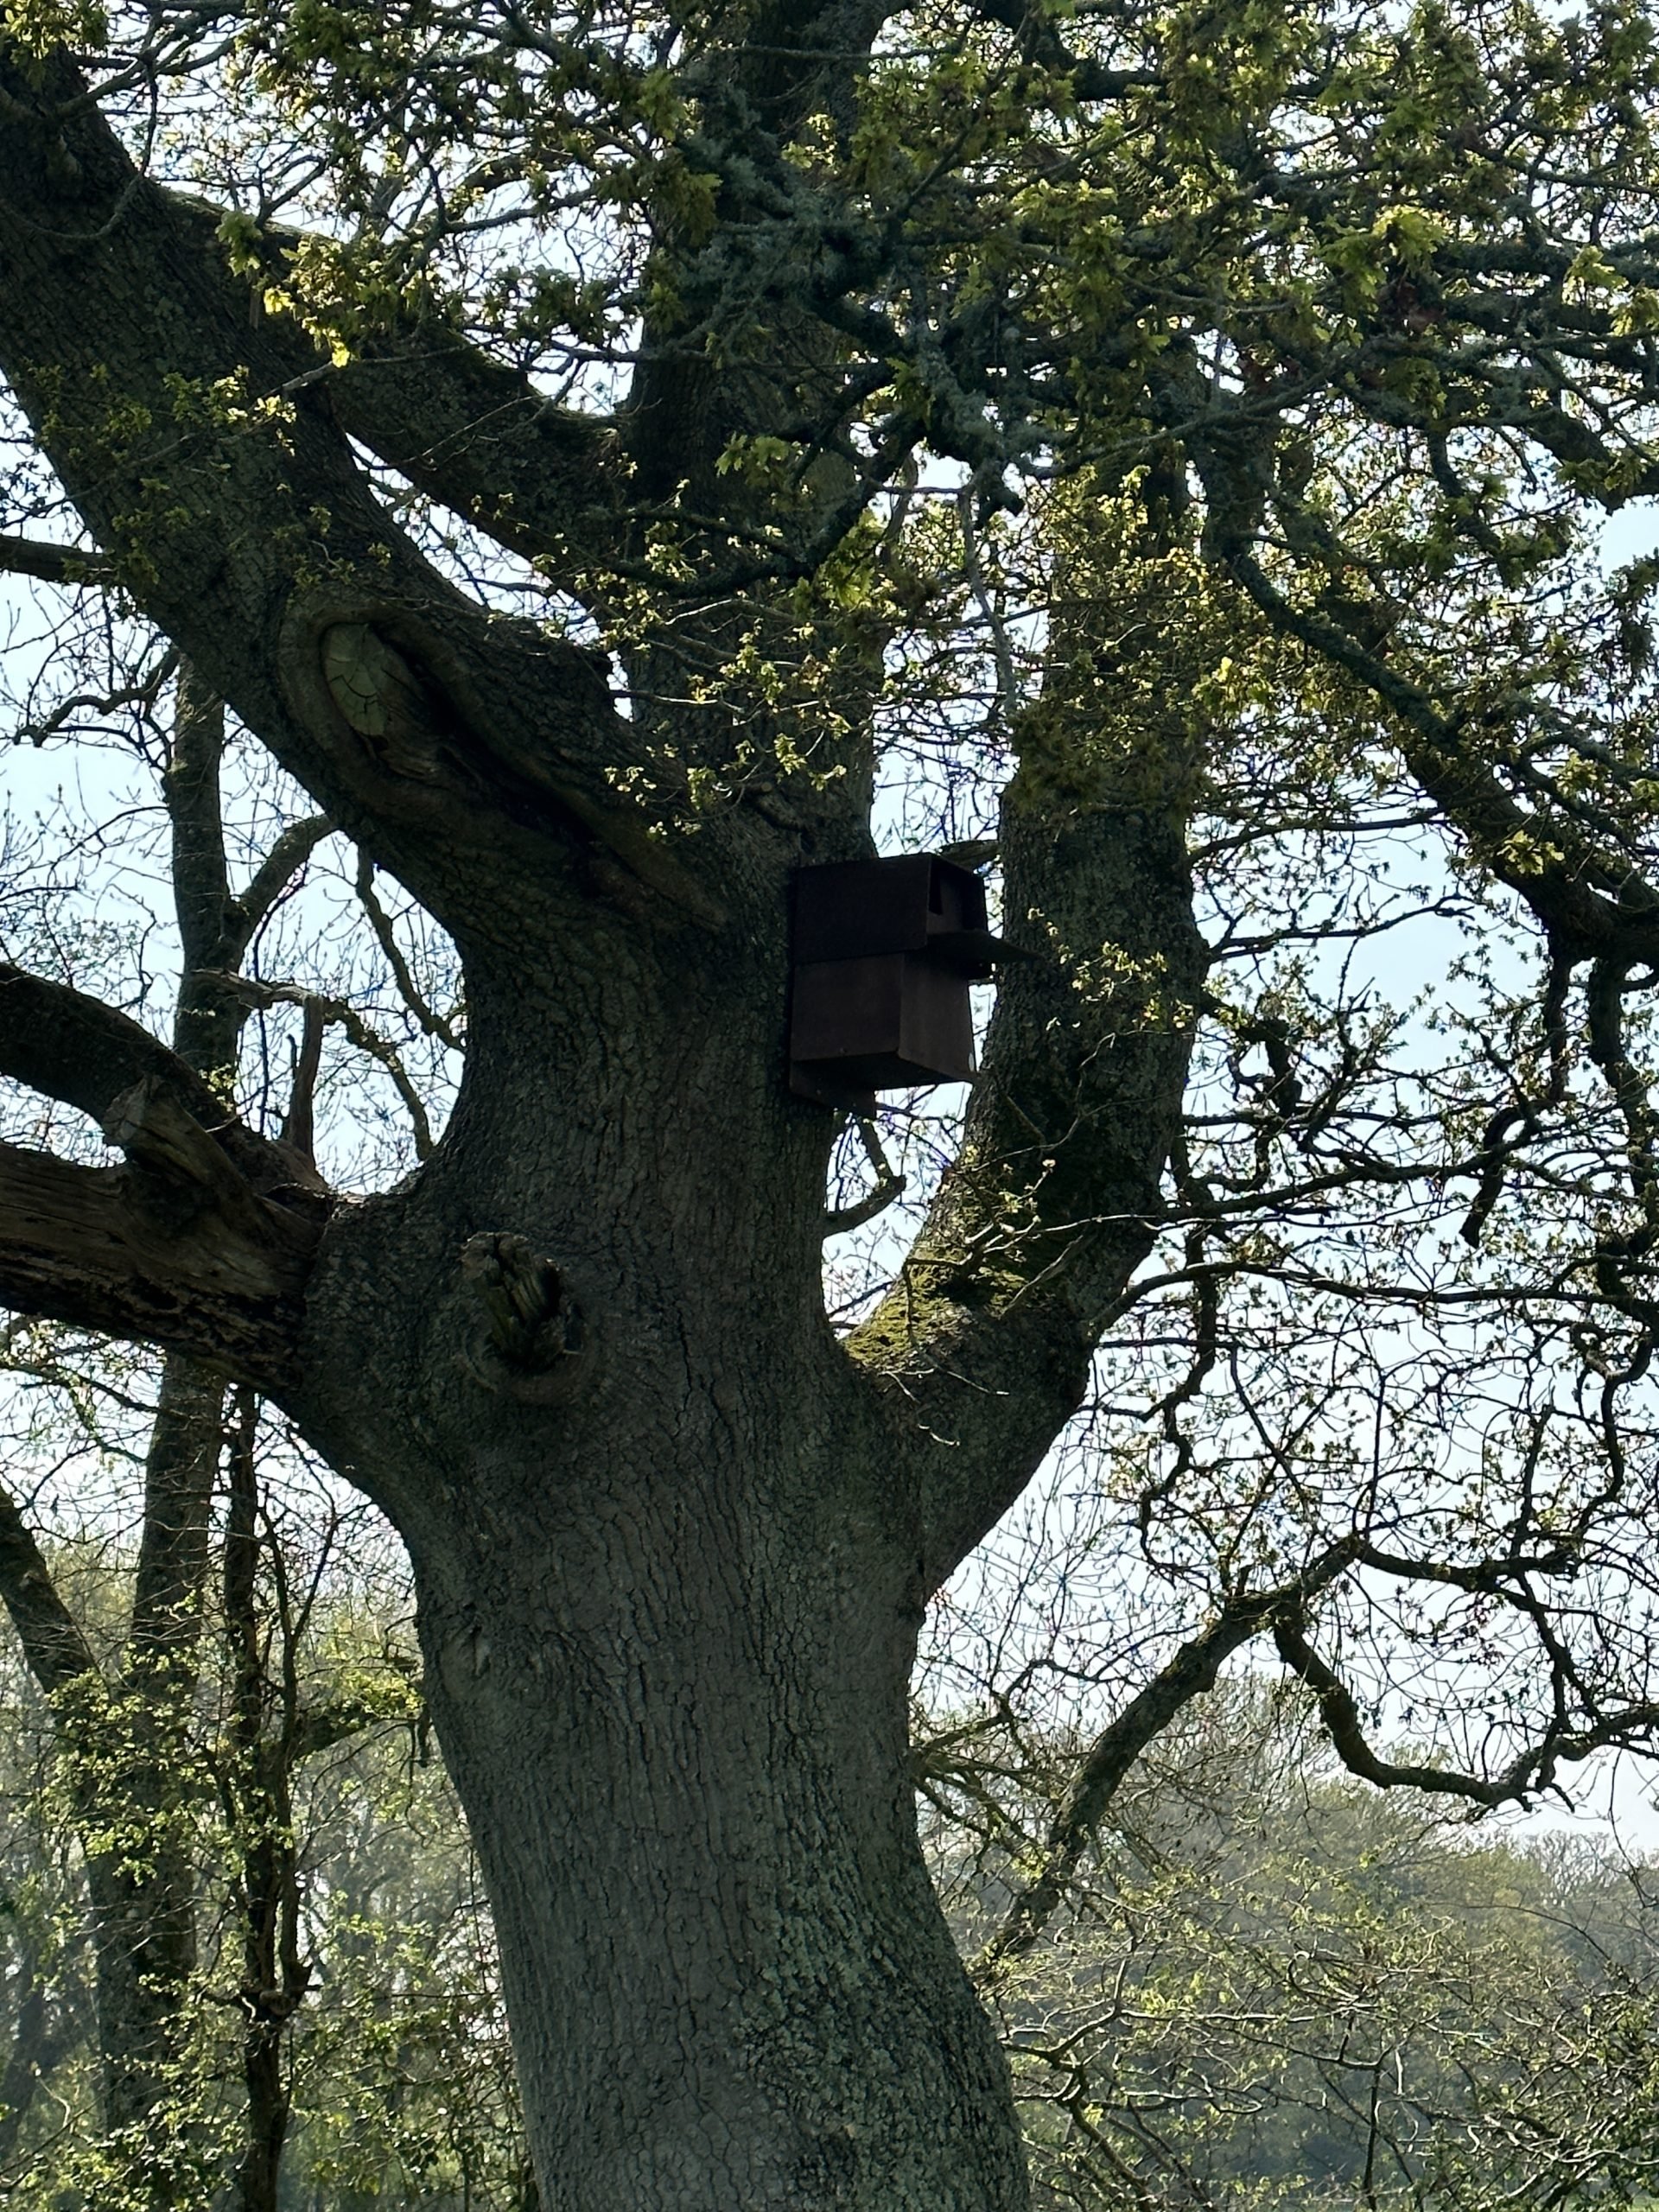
670	1585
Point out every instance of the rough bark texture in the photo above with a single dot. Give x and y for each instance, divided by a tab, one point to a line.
669	1617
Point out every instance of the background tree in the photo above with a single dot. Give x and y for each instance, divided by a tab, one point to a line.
730	344
394	2077
127	1730
127	1703
1275	1986
1269	1985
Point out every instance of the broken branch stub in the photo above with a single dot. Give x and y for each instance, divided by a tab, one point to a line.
534	1328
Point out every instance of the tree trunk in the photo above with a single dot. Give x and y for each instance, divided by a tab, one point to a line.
143	1778
683	1755
139	1781
670	1586
45	2032
274	1979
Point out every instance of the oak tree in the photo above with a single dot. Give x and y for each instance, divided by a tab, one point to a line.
586	448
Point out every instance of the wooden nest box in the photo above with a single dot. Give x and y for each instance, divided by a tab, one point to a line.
884	952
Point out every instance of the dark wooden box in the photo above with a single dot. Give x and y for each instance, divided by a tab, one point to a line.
884	1022
884	953
917	903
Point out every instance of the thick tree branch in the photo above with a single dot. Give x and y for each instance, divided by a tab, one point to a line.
984	1343
204	1029
545	480
179	1468
53	565
183	1461
182	1247
1034	29
86	1245
202	893
396	1696
215	930
539	479
195	445
796	58
56	1651
76	1049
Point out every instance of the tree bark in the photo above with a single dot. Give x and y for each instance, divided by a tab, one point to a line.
274	1978
670	1584
729	1980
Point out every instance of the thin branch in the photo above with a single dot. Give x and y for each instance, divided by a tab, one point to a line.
888	1185
142	693
288	855
1533	1769
434	1023
299	1125
257	992
1591	903
1100	1770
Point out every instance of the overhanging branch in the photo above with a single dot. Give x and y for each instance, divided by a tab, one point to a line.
202	1244
1089	80
76	1049
53	565
540	480
250	535
545	480
1593	905
289	853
